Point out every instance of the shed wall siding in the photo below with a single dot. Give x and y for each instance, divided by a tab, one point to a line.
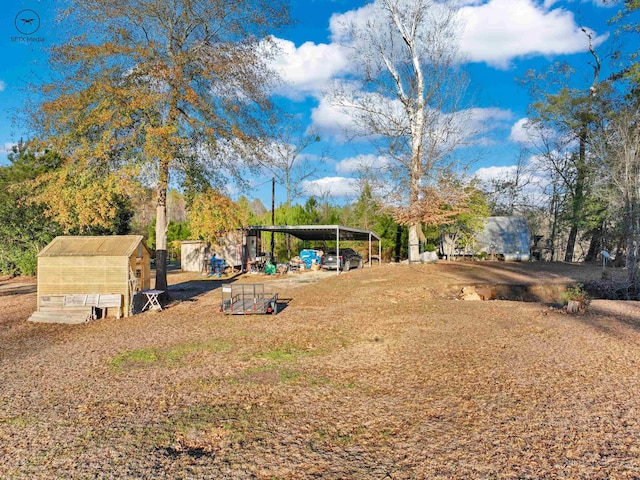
144	265
194	256
88	275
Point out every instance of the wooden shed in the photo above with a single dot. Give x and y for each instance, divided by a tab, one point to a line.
73	268
194	256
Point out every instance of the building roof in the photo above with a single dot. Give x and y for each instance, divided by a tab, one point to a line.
81	246
320	232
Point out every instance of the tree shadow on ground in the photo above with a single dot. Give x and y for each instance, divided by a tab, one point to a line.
186	291
609	315
17	288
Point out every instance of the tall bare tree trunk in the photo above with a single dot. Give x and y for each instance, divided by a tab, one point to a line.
161	226
417	121
577	203
414	243
631	259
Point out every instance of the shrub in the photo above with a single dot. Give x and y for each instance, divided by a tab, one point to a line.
27	263
576	293
15	261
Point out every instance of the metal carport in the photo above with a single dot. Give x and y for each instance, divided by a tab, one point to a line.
325	232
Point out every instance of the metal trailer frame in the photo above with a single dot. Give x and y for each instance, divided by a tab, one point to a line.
247	299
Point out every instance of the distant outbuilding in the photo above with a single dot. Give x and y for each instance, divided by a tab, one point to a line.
194	256
506	238
76	272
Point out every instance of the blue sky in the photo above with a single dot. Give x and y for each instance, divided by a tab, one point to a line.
502	39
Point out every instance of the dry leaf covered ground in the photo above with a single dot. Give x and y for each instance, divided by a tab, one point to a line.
377	373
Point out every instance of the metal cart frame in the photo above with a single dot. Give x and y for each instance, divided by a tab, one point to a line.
247	299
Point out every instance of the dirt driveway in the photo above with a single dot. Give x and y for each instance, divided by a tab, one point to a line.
379	373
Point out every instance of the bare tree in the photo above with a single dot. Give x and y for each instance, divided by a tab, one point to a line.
286	161
619	147
555	168
573	114
507	194
408	105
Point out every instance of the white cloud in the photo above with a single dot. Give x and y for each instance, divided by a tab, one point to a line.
339	22
495	31
480	121
3	85
487	174
332	186
6	148
534	136
330	120
482	116
307	69
361	162
531	178
501	30
520	133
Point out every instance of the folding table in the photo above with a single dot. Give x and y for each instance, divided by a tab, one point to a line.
152	299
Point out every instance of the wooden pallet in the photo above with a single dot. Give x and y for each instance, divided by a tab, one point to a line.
60	316
74	308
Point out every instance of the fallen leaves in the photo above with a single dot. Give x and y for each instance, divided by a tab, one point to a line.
362	388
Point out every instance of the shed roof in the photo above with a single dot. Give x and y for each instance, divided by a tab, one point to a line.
81	246
321	232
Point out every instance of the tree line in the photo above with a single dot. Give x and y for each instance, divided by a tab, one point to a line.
178	94
578	176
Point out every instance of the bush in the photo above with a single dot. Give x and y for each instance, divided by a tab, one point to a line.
27	263
14	261
576	293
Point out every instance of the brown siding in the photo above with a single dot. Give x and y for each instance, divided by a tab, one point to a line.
143	265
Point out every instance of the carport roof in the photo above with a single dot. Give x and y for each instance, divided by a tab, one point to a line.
320	232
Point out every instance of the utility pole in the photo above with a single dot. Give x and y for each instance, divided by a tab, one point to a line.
273	215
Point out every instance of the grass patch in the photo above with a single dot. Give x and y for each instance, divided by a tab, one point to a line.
166	356
277	374
19	421
284	354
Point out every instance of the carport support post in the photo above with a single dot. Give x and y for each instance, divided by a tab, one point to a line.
273	215
338	250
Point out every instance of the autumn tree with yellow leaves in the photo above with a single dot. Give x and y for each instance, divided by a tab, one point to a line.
156	90
212	214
